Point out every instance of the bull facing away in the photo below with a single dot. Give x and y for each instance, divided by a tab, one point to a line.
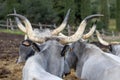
52	52
38	66
114	47
92	63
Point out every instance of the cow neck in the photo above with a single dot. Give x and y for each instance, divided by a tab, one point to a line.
89	51
41	59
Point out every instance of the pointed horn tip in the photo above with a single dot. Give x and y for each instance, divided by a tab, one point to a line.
14	11
97	15
93	16
69	9
17	15
68	12
10	15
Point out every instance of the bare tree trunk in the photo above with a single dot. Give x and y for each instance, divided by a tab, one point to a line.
118	15
106	12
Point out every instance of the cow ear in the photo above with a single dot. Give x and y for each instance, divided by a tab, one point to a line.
27	43
65	48
35	47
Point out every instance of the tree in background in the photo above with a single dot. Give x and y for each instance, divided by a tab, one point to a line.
78	11
61	7
85	8
82	10
112	8
104	9
118	15
39	10
6	7
53	11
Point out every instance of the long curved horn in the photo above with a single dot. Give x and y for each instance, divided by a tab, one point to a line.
25	37
103	41
19	24
100	39
78	34
90	32
84	36
67	39
62	26
30	33
29	29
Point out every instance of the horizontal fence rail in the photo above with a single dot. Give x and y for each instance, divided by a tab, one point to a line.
107	35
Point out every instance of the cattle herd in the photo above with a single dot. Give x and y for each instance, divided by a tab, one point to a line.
50	55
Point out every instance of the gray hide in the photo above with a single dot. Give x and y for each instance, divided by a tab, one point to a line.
26	51
50	59
94	64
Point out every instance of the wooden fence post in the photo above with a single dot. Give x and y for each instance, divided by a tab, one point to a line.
40	26
7	24
103	31
69	30
54	25
113	34
11	24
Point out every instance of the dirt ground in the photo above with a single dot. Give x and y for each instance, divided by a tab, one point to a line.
9	70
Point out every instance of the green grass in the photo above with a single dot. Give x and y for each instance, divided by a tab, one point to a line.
112	24
12	31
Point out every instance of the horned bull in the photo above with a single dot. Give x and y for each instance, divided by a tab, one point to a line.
114	47
91	63
52	52
25	52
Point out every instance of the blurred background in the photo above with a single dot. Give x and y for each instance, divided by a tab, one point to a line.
50	13
53	11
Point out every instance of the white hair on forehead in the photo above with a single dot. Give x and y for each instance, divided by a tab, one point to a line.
42	33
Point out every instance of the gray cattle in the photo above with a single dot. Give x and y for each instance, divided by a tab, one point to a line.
24	52
51	52
114	47
92	63
48	58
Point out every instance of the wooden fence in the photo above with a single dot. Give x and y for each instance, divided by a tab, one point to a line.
108	35
9	24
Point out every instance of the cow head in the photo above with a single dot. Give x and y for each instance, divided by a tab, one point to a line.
25	51
53	47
